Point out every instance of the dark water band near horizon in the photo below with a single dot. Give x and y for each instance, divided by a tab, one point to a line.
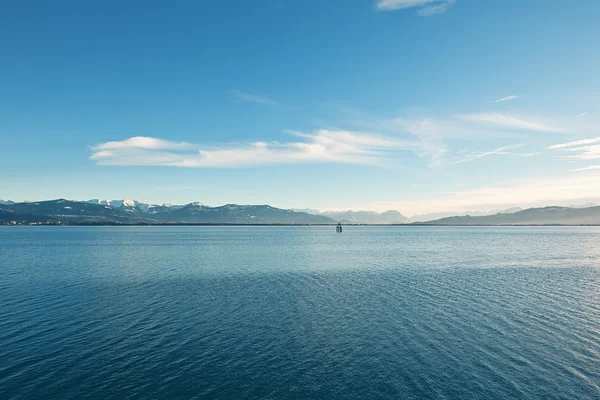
300	312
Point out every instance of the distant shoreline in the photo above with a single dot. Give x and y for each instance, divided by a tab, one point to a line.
132	213
305	225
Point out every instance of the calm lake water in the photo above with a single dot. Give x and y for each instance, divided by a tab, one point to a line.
300	312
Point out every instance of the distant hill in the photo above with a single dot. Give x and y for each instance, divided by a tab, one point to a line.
243	214
586	205
9	216
133	212
74	212
134	207
440	215
307	210
367	217
531	216
361	217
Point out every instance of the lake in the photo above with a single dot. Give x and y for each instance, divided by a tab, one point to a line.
300	312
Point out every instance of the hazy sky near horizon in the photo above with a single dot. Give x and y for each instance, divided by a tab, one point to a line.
415	105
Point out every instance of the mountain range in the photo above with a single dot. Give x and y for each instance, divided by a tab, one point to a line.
97	211
440	215
133	212
394	217
531	216
361	217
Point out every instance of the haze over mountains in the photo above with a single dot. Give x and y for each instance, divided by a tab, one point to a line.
531	216
134	212
440	215
361	217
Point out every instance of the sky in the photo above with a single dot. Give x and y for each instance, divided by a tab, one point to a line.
415	105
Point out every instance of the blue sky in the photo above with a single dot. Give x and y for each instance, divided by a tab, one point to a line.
415	105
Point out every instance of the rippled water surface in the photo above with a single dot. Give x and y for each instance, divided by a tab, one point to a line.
299	312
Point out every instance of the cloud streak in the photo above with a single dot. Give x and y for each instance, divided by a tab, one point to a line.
586	149
509	122
142	142
500	151
588	168
532	154
507	98
253	98
323	146
575	144
426	8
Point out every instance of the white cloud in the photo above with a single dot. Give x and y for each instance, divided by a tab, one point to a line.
401	4
435	134
507	98
142	142
255	98
504	150
510	122
586	149
435	9
589	168
576	143
427	8
322	146
533	154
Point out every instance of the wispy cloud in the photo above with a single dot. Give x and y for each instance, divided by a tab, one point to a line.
532	154
426	8
435	9
580	115
576	143
504	150
588	168
254	98
436	134
430	143
510	122
586	149
507	98
142	142
323	146
135	144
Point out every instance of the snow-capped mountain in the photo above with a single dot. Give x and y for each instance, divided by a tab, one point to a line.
133	212
136	207
73	211
115	212
6	202
244	214
117	203
197	212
